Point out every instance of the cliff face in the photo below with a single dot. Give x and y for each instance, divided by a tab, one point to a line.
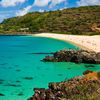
74	20
86	87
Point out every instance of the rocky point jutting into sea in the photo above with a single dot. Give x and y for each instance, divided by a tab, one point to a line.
77	56
86	87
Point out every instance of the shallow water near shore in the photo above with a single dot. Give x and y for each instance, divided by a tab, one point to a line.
21	71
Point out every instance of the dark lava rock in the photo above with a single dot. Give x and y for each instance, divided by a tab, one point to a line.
20	94
18	81
18	70
89	66
79	88
28	78
76	56
87	72
98	74
2	94
13	85
48	58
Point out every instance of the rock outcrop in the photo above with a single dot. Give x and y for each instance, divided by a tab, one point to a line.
77	56
79	88
95	28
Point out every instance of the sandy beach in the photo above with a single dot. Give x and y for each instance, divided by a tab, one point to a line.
85	42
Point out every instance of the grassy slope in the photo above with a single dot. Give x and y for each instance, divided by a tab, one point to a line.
72	20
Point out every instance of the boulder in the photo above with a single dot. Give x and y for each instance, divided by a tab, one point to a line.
77	56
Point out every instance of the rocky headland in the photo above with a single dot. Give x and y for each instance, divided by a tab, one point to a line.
76	56
86	87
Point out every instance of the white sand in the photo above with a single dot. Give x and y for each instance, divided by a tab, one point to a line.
85	42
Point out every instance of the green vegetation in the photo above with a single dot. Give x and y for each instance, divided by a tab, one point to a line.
89	91
68	21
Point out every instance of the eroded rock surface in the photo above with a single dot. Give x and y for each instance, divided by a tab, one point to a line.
83	87
77	56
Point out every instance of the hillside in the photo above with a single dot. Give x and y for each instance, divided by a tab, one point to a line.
72	20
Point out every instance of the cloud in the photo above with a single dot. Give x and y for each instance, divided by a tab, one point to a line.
41	3
88	2
56	2
51	3
2	17
5	15
24	11
41	10
8	3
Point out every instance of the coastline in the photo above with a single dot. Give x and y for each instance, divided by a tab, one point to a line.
90	43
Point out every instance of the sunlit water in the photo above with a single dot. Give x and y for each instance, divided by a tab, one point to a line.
21	71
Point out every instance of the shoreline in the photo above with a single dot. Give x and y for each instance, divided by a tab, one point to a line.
90	43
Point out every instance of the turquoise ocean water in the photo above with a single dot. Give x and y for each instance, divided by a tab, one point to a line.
21	71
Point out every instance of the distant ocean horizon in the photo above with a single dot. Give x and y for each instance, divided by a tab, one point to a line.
21	71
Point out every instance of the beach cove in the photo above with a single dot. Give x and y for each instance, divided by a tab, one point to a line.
91	43
21	71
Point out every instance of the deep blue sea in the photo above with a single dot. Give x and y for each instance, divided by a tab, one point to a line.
21	71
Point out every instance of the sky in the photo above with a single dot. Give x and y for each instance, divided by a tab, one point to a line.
12	8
